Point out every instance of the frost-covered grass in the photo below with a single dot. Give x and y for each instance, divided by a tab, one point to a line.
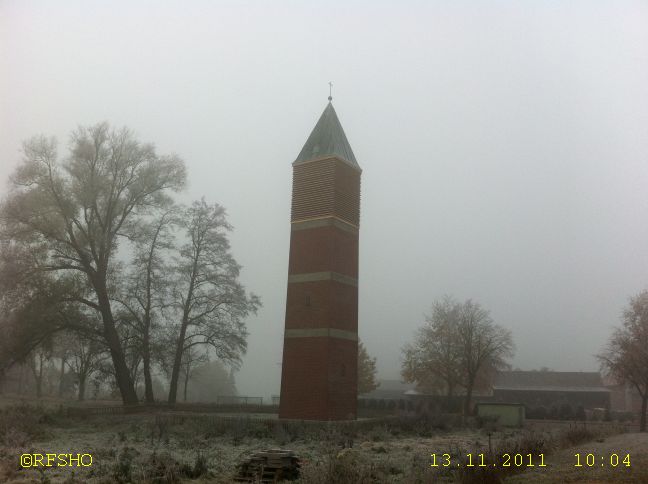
167	448
562	468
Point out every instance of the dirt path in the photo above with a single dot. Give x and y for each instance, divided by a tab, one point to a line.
561	465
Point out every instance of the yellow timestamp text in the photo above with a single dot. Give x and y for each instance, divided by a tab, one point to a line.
594	460
486	460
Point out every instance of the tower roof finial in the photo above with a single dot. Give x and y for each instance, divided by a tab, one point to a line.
330	98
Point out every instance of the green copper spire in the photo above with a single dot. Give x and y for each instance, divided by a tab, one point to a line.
327	139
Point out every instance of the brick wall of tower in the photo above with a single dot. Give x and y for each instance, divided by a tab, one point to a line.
343	379
322	304
308	392
304	392
323	249
319	373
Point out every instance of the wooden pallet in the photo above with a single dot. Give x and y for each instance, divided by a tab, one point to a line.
269	466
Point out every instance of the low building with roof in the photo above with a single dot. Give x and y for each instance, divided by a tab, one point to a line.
390	390
624	397
551	389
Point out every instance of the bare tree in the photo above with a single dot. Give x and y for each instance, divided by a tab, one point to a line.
625	357
62	350
78	211
366	371
130	336
41	356
210	304
208	381
192	358
148	286
144	293
457	346
86	356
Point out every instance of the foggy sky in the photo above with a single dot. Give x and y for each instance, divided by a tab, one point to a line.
504	145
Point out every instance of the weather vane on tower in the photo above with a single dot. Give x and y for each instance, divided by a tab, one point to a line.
330	91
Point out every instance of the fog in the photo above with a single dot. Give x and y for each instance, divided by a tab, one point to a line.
504	146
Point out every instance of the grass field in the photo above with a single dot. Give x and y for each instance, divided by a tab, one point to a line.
563	463
167	447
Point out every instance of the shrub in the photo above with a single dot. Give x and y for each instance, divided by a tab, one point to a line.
421	425
554	412
490	423
577	434
580	413
526	443
539	413
200	467
481	475
379	434
565	412
162	469
73	479
159	429
345	466
281	437
20	424
623	416
123	467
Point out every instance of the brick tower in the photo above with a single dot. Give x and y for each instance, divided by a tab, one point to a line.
320	356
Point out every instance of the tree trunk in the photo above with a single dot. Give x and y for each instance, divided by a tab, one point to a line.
186	382
61	377
148	380
449	398
146	346
467	402
39	382
20	379
642	418
122	375
38	375
175	372
82	385
146	360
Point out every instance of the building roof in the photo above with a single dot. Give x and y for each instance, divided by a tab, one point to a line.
390	389
327	139
395	385
563	381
